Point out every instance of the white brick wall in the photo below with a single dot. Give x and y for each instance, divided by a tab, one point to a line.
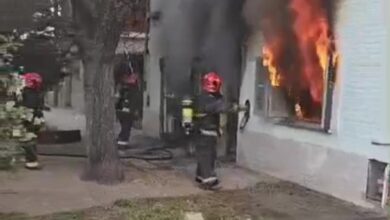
335	164
359	108
362	38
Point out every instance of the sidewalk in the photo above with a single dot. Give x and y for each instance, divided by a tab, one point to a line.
58	188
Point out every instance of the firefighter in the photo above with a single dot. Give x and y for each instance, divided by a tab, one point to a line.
32	98
127	106
208	107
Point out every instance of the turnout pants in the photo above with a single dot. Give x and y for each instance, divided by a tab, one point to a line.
206	154
126	122
31	154
30	147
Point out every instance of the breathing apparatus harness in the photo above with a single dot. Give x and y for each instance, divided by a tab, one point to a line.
188	114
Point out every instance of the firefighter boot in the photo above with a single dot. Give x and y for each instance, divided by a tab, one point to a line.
31	157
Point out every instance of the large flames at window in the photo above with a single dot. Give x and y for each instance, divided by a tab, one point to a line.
298	54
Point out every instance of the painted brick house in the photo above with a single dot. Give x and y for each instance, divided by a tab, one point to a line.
337	155
334	162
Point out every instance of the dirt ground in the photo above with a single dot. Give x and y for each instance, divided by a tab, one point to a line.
265	201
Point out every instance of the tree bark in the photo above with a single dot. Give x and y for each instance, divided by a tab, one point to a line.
100	24
103	163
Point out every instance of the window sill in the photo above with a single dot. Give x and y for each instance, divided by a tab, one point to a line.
302	125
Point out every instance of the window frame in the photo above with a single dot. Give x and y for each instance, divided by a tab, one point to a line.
269	92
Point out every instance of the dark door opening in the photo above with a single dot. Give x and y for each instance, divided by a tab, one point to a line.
170	125
170	120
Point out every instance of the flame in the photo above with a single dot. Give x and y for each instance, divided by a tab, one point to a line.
313	49
298	111
311	28
268	61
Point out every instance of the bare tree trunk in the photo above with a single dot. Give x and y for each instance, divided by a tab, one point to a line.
103	164
100	24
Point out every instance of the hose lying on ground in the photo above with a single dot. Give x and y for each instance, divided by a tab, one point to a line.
151	150
150	154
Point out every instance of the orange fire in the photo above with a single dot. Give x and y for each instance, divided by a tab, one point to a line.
268	61
312	29
313	48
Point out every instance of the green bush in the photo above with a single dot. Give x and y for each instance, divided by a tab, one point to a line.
12	130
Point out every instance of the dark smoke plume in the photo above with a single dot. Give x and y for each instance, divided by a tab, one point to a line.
274	20
212	31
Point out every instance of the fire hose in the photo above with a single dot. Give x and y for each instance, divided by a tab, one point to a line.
158	153
151	154
155	151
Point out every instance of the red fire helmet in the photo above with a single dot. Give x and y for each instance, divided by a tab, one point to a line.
211	82
33	81
131	79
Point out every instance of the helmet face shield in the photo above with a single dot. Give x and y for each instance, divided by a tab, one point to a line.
211	82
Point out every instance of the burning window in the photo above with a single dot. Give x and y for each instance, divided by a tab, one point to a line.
299	55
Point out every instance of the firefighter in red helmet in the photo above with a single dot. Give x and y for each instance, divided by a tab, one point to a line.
126	106
32	99
208	106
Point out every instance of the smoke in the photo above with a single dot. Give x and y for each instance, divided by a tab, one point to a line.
274	20
212	31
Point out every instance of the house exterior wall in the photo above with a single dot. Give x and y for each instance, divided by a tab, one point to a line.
337	163
362	39
386	97
151	119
